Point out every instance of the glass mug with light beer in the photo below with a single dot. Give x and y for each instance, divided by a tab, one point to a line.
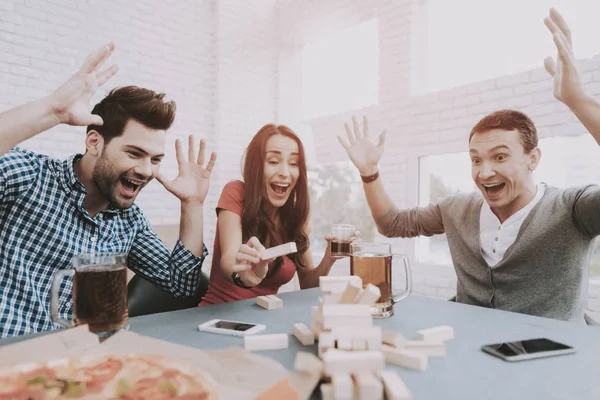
99	294
372	262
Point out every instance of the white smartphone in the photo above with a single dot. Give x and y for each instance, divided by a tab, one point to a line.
527	349
233	328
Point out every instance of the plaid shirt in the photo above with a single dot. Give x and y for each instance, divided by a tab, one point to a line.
43	224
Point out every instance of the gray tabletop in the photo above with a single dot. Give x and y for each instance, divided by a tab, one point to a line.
466	372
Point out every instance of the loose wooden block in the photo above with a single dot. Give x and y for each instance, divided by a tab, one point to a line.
326	391
350	295
393	339
395	388
436	334
337	284
431	349
275	341
369	295
279	251
367	387
269	302
342	386
353	362
303	334
308	362
404	358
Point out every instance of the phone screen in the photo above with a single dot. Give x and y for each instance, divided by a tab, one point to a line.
232	325
531	346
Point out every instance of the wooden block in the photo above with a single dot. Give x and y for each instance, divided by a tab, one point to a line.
350	295
316	327
373	344
337	284
404	358
279	251
393	339
430	349
367	387
349	310
308	362
344	343
275	341
303	334
343	387
353	362
326	391
269	302
369	295
395	388
359	344
334	321
436	334
332	298
316	314
276	300
326	342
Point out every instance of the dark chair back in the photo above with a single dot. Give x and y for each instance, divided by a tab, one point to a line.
144	298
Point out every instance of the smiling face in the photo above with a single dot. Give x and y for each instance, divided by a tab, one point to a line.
501	169
281	169
128	163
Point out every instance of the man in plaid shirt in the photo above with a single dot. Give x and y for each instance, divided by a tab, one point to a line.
51	210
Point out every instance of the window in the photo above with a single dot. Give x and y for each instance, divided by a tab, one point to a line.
341	72
496	38
336	196
566	161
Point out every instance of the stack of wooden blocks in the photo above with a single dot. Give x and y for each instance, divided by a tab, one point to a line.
352	352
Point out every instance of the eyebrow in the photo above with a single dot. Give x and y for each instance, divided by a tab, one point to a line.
492	150
139	149
280	153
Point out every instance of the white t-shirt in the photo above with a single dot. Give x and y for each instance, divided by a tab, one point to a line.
496	238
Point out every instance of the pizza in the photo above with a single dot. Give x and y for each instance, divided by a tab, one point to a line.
112	376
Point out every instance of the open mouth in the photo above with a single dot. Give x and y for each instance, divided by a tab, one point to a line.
130	186
493	188
280	188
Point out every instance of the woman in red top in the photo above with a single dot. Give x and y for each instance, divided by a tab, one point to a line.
269	208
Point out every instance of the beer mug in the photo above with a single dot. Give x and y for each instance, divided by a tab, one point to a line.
372	262
99	294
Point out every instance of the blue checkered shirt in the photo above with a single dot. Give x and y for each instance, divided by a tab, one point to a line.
43	224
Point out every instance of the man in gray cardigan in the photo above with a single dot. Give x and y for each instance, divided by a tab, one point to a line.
515	245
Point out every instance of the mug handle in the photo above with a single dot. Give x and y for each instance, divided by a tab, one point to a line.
54	317
404	294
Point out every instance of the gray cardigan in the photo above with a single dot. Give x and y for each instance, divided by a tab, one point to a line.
545	272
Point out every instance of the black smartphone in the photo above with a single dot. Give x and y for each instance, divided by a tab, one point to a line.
527	349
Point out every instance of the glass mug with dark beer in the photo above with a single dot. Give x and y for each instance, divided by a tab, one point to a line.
342	237
99	294
372	262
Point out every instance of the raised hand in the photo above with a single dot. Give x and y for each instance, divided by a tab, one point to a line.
192	183
567	84
364	154
249	263
70	102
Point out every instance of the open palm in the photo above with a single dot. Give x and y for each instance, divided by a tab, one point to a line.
364	154
70	102
193	181
567	84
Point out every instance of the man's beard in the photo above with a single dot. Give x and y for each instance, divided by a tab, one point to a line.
107	182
